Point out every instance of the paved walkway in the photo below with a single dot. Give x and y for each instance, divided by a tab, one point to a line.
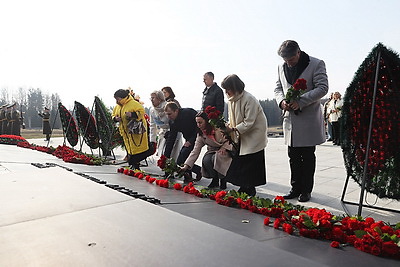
54	217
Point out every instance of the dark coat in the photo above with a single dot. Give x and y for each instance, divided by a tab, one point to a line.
185	123
214	97
46	122
3	122
14	122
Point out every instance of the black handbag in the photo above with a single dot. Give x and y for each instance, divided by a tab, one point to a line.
136	127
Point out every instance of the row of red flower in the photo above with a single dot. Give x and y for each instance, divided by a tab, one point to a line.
65	153
374	237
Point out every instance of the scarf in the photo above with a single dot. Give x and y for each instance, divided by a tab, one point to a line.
293	73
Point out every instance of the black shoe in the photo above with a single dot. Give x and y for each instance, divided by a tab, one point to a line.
198	176
251	191
292	194
304	197
222	185
214	183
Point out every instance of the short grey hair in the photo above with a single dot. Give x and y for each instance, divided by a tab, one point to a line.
288	49
159	94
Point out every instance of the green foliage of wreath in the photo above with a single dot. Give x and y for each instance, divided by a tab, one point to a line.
383	161
108	133
87	125
68	124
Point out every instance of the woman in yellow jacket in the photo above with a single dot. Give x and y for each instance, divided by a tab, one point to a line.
128	108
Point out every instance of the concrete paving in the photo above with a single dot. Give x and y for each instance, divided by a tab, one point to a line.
56	217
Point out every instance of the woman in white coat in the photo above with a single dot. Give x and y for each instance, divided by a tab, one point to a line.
248	126
335	112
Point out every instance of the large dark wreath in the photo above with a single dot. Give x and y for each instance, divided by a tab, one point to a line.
87	125
105	126
383	169
68	124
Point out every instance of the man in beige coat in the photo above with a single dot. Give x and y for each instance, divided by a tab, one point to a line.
303	129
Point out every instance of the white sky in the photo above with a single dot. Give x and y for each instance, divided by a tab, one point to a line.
84	48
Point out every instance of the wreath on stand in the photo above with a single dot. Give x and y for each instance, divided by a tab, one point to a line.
108	133
383	168
87	125
68	123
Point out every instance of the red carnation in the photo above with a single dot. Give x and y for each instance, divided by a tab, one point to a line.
164	183
277	223
186	189
280	199
335	244
389	248
300	84
210	109
288	228
178	186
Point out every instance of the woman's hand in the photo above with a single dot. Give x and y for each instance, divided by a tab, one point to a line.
222	151
183	169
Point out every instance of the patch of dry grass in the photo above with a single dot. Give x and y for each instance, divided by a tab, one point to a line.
38	133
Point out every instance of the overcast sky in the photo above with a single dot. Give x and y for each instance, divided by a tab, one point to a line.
83	48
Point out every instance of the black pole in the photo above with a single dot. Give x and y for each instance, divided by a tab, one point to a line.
369	136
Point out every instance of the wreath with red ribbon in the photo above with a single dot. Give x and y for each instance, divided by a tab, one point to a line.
105	126
383	157
87	125
68	124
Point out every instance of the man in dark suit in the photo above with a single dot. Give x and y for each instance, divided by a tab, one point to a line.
212	94
182	120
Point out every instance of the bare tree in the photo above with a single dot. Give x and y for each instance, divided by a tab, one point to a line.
5	96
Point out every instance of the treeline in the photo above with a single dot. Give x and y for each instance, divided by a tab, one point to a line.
32	101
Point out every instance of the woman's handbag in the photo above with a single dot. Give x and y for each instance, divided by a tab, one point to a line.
136	127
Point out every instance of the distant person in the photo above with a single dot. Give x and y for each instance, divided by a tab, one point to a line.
169	95
328	123
335	113
212	94
46	123
14	120
305	130
3	119
126	110
217	160
182	120
248	124
159	125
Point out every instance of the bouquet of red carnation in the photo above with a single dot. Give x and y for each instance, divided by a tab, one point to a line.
295	91
169	166
216	119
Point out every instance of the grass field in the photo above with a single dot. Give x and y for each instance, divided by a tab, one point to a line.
37	133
